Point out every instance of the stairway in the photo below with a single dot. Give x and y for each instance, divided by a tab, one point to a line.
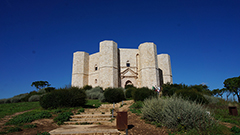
97	121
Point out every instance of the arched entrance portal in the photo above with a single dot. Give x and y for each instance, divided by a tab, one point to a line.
128	82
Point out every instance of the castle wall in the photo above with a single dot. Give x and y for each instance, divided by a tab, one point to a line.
80	69
93	77
128	55
148	65
164	63
108	67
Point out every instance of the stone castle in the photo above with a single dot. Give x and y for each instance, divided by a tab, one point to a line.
117	67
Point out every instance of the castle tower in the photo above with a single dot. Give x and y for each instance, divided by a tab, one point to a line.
109	65
148	66
80	69
164	64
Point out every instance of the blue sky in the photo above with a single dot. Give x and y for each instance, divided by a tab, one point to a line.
38	37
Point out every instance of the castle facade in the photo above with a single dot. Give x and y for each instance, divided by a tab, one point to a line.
117	67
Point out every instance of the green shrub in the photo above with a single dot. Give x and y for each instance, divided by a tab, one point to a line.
152	109
25	99
192	95
94	93
177	113
30	126
114	95
211	99
70	97
18	98
137	105
129	86
3	132
81	110
34	98
142	93
235	129
15	99
14	129
28	117
8	100
87	87
62	117
170	89
129	91
2	101
49	89
102	98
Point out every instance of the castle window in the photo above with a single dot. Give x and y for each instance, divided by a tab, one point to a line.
128	64
96	68
95	80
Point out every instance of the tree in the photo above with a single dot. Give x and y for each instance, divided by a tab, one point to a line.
40	84
233	85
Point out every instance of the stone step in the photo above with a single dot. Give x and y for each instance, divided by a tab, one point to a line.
84	130
85	122
95	113
91	115
90	119
99	110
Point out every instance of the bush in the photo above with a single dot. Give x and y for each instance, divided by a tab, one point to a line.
2	101
14	129
30	126
7	101
49	89
177	113
94	93
15	99
129	91
211	99
102	98
114	95
70	97
25	99
62	117
192	95
87	87
19	97
142	93
137	105
129	86
235	129
34	98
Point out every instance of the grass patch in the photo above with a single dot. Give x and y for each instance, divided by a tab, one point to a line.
11	108
14	129
30	126
62	117
136	107
28	117
92	103
221	112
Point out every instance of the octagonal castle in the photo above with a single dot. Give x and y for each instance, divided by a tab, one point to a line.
117	67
